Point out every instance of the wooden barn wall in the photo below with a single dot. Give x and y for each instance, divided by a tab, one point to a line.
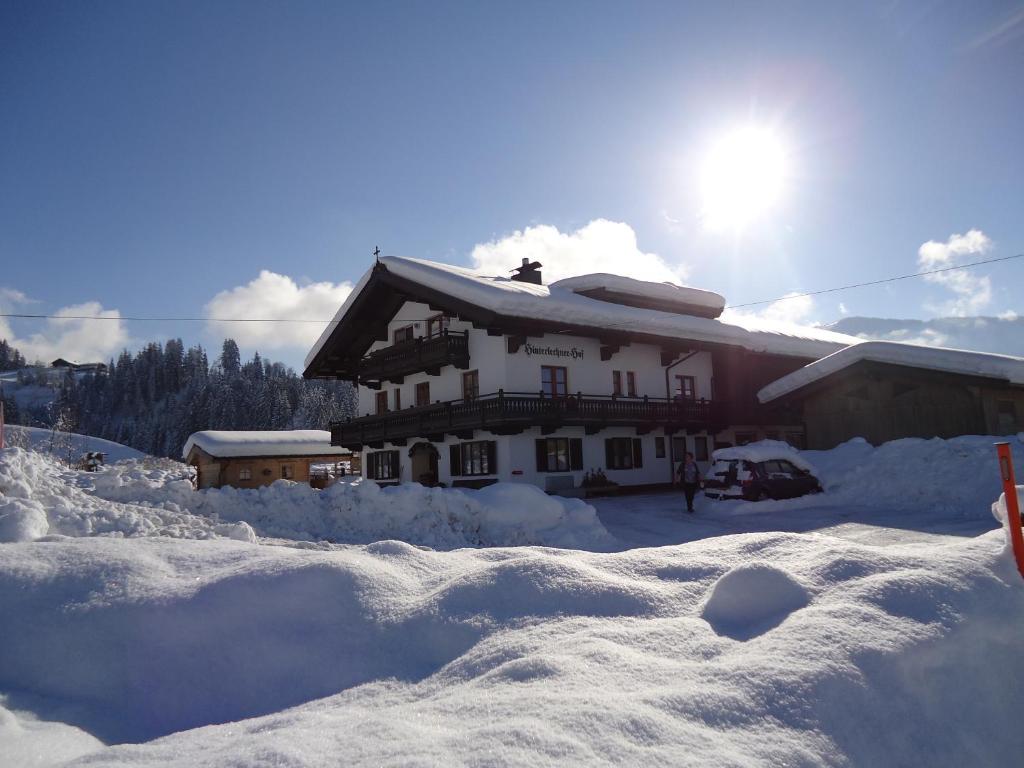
881	405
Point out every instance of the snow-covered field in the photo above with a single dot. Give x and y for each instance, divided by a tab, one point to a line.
288	627
67	444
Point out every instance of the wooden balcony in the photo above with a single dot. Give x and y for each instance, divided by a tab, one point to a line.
512	412
424	354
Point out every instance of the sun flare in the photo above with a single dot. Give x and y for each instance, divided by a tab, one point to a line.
742	178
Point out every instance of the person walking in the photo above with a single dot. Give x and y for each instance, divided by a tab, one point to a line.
690	479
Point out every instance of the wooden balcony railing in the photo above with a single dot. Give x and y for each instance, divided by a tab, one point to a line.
423	354
510	412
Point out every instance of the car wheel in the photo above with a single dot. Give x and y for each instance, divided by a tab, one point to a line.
762	495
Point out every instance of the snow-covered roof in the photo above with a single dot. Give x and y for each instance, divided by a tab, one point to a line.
682	296
984	364
292	442
558	304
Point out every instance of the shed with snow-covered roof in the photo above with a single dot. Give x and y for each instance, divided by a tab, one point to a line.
884	390
249	459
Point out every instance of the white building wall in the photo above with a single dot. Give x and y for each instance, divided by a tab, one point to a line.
521	372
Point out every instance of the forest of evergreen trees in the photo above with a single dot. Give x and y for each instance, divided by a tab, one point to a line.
156	399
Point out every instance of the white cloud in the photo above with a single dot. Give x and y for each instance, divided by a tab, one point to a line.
276	297
973	292
600	246
75	339
792	308
1009	315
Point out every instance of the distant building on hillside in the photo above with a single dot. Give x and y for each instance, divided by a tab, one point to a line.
79	368
249	459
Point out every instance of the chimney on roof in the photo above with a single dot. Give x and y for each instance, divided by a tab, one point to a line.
529	272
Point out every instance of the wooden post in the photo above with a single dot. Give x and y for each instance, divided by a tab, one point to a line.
1012	507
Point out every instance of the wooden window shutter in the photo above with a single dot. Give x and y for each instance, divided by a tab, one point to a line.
396	471
455	459
492	457
609	453
542	455
575	453
638	453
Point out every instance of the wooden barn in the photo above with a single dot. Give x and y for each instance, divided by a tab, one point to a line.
249	459
885	390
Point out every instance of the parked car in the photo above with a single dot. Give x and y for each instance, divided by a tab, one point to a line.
757	478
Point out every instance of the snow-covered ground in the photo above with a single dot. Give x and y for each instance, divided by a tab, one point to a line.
67	444
875	624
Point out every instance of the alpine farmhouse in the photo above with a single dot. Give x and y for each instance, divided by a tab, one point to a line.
466	379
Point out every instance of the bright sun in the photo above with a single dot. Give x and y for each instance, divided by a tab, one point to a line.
742	178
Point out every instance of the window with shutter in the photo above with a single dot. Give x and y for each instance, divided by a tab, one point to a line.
623	453
475	458
559	454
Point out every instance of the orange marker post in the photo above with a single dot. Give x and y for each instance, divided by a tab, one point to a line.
1012	508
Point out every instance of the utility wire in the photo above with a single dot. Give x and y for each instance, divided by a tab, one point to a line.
332	320
875	282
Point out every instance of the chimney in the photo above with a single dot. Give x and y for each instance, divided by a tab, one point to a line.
529	272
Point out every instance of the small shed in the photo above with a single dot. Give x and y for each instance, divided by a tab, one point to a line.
249	459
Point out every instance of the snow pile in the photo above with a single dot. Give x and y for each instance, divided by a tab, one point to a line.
155	497
1000	510
361	512
40	496
845	655
288	442
956	476
751	599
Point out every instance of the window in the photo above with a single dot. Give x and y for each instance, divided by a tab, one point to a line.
382	402
287	471
403	334
678	448
700	448
686	388
616	382
436	325
623	453
659	447
554	381
245	473
477	458
742	438
382	465
559	454
398	399
423	393
470	385
630	383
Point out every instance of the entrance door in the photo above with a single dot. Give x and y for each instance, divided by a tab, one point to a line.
423	463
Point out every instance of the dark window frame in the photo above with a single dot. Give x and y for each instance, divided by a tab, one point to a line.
383	465
403	334
623	453
474	458
573	454
441	321
659	447
381	402
700	448
471	392
681	381
630	383
421	387
616	383
553	390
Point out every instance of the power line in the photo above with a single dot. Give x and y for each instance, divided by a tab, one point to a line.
332	320
874	282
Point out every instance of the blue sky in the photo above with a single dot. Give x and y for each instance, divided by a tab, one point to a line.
155	154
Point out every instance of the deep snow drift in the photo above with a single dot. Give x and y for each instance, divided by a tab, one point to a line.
755	649
155	497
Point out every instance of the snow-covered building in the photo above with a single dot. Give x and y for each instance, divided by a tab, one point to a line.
883	390
249	459
465	379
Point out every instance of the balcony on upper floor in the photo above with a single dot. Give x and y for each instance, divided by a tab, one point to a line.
511	413
428	354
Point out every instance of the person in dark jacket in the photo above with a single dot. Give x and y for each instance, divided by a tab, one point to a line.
690	479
